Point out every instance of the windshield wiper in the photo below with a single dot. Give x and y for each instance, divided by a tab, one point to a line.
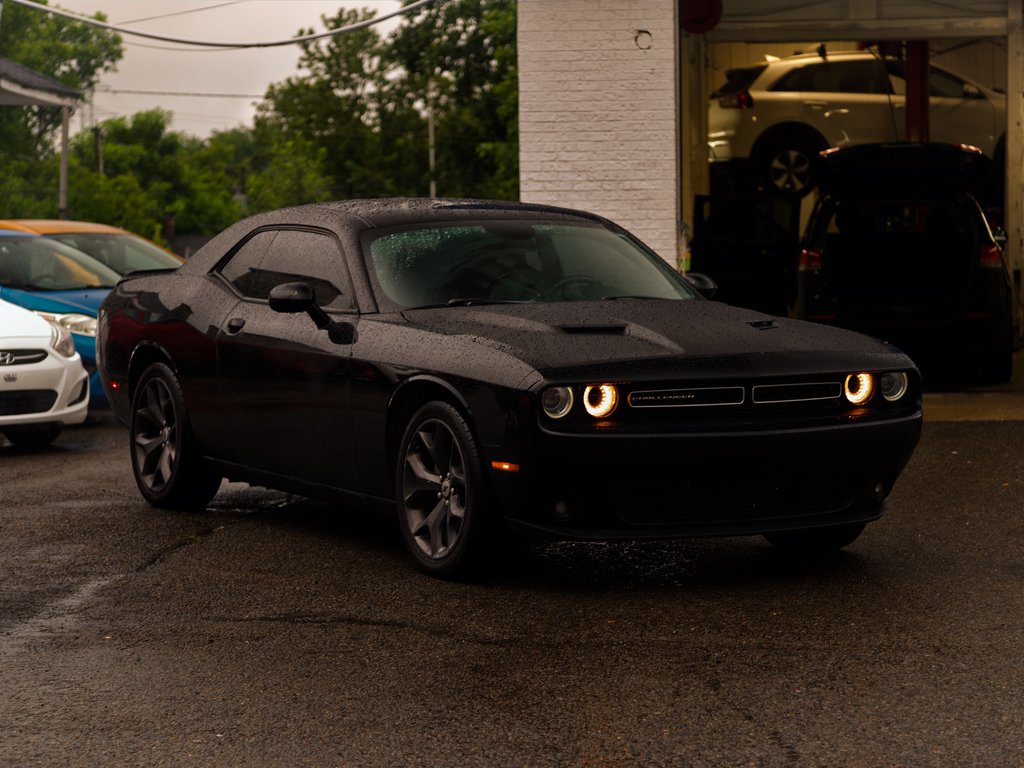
636	296
469	302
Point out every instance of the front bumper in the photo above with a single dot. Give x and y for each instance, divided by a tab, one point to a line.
710	484
54	391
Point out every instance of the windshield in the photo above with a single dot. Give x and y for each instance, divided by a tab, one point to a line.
123	253
42	264
517	262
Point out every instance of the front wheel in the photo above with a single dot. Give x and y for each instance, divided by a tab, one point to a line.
811	541
166	460
444	509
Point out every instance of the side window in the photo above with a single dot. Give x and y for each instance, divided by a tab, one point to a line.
243	267
945	85
864	76
309	257
942	84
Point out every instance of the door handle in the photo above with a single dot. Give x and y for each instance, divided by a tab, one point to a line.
235	324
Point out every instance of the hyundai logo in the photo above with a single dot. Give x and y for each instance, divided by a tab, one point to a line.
6	358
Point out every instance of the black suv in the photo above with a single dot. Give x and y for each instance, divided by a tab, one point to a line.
898	248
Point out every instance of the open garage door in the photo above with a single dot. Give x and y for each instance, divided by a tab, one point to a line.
975	48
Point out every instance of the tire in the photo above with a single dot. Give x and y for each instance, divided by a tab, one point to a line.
811	541
444	505
785	165
166	460
34	437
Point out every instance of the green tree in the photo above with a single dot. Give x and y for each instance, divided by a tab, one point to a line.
74	53
463	52
331	106
179	176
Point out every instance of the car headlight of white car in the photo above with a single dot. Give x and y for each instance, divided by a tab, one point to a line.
61	340
74	322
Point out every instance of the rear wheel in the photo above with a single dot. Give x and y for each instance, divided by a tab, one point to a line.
444	509
166	460
34	436
811	541
785	163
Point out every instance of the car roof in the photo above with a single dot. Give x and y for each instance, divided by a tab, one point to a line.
59	226
395	211
870	168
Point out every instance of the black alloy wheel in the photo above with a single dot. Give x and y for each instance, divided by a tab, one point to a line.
167	463
443	503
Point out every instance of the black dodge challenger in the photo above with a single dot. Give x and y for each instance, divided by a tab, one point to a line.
496	368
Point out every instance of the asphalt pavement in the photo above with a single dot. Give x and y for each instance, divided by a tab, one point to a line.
276	631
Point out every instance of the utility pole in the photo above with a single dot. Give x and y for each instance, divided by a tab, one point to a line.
62	192
97	138
430	140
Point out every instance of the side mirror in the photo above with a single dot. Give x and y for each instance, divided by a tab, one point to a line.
294	298
971	91
704	285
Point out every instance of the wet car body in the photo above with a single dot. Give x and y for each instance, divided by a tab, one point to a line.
897	247
119	249
728	421
60	283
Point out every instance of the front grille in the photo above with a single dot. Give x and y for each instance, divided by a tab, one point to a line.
710	499
796	393
21	356
26	401
683	398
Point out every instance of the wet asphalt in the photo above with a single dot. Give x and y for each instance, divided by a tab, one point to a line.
276	631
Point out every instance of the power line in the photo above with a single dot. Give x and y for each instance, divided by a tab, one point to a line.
182	13
163	38
189	94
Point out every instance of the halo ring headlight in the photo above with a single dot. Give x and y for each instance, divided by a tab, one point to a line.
893	385
859	388
600	400
557	402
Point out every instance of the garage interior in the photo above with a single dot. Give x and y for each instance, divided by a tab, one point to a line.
981	40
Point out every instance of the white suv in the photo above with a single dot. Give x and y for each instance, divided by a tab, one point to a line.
782	112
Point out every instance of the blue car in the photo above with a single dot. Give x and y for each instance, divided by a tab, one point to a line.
63	285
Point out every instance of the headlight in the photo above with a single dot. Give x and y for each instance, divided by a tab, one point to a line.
600	400
61	340
893	385
859	388
557	402
74	322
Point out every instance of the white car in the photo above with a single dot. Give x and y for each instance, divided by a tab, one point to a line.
780	113
43	385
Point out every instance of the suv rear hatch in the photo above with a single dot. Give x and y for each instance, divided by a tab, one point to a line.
899	257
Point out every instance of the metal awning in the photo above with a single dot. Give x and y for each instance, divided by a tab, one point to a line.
22	87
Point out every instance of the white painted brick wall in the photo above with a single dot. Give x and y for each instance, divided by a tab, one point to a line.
597	113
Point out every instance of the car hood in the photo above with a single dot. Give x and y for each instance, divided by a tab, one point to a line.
86	301
666	337
18	322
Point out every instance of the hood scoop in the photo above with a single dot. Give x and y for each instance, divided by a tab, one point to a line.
594	330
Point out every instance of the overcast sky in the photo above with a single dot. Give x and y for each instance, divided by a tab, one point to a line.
150	65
